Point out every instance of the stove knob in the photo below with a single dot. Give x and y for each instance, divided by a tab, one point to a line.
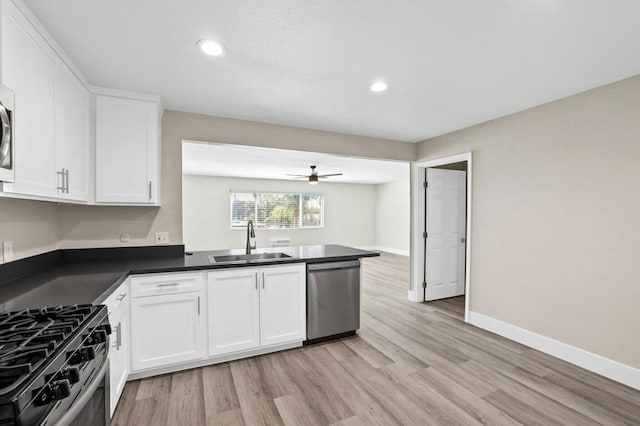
61	389
84	354
55	391
72	374
88	353
99	336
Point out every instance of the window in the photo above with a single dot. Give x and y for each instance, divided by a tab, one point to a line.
273	210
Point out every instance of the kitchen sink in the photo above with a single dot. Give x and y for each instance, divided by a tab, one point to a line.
247	257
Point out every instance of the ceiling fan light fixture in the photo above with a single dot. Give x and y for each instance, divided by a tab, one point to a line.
314	177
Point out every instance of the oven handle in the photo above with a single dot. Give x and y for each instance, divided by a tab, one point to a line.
87	394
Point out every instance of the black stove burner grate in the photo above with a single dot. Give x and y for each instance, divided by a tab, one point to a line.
28	337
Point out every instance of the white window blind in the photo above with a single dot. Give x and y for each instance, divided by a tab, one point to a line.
276	210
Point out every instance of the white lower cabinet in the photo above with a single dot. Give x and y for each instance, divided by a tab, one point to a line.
256	307
234	310
167	327
119	359
237	310
283	304
118	307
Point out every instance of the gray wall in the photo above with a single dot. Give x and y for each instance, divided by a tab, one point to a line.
31	225
349	213
393	211
556	218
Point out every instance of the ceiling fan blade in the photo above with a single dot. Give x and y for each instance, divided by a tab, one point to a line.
333	174
300	176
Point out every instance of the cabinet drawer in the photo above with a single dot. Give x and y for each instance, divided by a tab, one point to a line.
158	284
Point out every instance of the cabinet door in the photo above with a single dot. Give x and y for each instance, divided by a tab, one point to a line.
166	330
233	310
282	304
28	66
127	142
119	355
72	134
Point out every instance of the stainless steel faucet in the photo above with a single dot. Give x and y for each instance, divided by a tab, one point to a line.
251	233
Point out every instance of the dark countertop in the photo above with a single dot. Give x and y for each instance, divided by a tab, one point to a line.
89	276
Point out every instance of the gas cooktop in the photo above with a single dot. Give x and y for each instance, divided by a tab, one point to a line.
43	355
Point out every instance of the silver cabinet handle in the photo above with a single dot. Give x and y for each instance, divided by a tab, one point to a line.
167	285
119	335
256	280
66	175
61	174
118	341
198	305
263	280
150	183
121	297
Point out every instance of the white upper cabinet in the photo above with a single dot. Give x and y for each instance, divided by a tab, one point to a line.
72	135
53	125
52	114
28	68
127	150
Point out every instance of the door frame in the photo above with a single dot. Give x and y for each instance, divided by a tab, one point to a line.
416	294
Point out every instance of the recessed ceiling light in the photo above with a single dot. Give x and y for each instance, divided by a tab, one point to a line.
211	47
379	86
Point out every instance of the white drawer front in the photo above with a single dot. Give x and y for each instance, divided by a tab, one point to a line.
158	284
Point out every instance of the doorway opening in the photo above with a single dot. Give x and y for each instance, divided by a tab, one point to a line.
364	203
441	232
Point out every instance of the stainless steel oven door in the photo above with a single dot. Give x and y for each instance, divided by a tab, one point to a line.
92	406
7	142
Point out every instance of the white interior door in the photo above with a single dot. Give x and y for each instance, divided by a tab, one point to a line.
446	233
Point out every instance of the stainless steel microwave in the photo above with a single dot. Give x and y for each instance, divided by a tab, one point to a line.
7	140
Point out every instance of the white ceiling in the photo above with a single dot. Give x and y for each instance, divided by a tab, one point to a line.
307	63
267	163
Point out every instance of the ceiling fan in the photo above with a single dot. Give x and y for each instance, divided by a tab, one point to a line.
314	176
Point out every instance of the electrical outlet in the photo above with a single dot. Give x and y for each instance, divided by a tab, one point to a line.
7	251
162	238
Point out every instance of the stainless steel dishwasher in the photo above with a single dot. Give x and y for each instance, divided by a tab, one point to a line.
333	299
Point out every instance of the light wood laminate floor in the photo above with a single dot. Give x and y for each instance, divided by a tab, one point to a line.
411	364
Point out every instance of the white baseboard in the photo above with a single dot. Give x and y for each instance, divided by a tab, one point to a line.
393	251
413	296
367	248
386	249
156	371
598	364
